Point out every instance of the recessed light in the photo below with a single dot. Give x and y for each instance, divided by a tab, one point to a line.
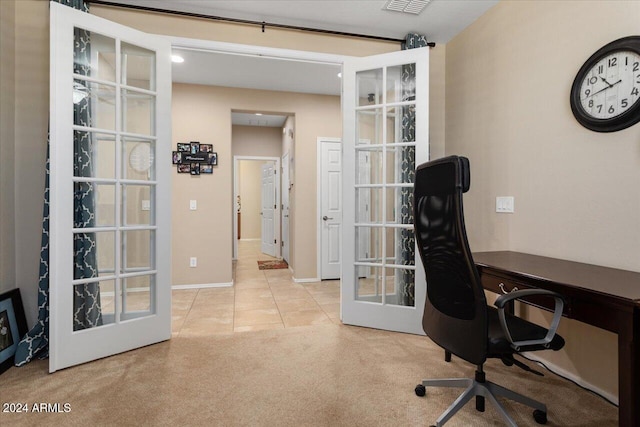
177	59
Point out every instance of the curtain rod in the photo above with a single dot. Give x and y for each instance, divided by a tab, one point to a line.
262	24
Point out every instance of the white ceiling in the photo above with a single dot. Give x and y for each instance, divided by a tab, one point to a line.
440	21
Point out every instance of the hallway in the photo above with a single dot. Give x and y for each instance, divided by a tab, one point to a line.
259	300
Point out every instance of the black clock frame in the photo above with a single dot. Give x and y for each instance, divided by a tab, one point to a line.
624	120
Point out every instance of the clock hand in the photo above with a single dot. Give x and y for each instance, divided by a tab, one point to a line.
605	80
603	89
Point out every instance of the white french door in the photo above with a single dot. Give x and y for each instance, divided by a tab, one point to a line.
110	109
385	136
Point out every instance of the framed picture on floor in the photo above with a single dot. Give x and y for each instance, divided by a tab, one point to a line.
13	326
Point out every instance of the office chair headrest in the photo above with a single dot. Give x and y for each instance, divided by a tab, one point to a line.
444	176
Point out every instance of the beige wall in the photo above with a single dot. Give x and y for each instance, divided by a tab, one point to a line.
256	141
250	191
25	112
204	113
508	78
7	145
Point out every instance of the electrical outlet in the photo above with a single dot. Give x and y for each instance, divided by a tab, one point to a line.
193	262
505	204
146	205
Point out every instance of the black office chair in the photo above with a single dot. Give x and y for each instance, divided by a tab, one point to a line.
456	315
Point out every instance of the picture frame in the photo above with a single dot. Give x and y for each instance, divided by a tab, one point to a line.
177	157
206	148
213	159
184	147
13	326
184	168
195	147
195	168
205	168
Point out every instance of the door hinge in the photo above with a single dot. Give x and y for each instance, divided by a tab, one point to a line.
275	206
282	243
275	241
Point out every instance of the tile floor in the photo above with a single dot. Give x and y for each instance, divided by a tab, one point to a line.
259	299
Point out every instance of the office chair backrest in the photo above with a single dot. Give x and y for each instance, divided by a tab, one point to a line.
455	312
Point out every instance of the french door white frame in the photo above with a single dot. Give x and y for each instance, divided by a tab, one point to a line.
66	346
236	190
384	314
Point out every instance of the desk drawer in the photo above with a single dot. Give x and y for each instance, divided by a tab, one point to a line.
501	285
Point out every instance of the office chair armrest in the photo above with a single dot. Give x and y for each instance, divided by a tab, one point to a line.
502	300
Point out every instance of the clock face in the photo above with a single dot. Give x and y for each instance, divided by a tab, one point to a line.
612	85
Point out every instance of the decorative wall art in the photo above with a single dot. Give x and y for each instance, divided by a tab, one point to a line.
194	158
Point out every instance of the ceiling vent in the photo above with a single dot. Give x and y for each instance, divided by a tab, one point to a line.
413	7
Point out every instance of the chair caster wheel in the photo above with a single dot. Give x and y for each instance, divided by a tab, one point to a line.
540	416
420	390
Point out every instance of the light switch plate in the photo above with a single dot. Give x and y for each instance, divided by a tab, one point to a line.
193	262
193	205
505	204
146	205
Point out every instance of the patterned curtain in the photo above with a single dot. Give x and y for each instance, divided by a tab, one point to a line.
36	342
408	171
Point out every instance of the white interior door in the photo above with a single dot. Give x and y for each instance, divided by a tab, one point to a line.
331	208
268	209
110	100
385	136
285	207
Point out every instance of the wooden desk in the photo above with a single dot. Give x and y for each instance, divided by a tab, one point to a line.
604	297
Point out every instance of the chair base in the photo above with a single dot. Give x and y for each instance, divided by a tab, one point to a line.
487	389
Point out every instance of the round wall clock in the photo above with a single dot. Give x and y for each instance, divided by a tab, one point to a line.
605	95
141	157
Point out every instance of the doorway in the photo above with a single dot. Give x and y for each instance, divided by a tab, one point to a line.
256	192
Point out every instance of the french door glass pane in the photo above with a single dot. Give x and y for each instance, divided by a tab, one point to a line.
138	112
369	247
100	211
94	304
137	296
137	203
94	55
369	166
101	98
369	126
369	284
137	251
369	205
369	87
93	254
138	65
138	158
94	155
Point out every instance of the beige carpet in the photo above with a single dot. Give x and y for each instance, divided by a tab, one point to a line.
325	375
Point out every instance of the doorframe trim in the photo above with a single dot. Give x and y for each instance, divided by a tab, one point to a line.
234	203
319	141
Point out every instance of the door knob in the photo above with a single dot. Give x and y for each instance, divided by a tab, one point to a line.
324	218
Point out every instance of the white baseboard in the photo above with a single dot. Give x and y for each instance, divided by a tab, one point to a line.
573	377
307	280
203	286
